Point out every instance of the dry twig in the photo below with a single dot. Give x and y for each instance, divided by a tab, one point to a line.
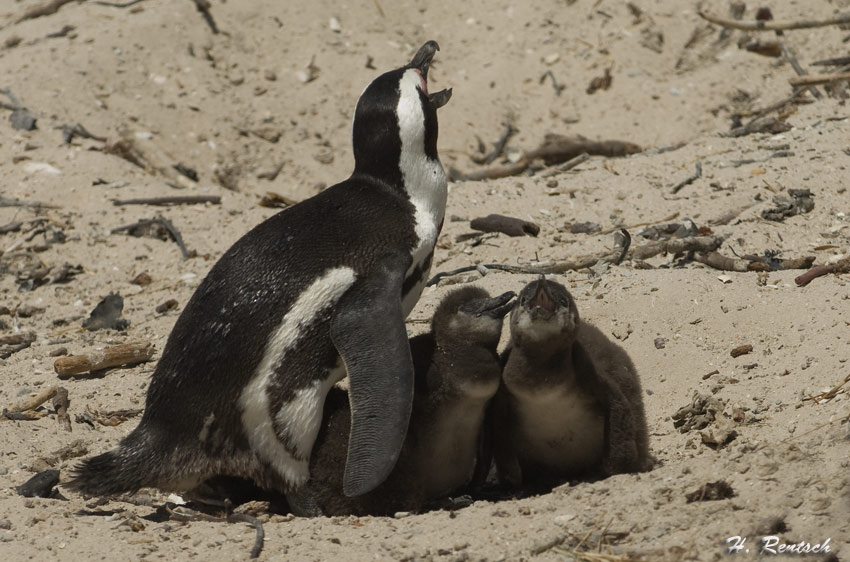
165	223
774	25
184	514
841	266
45	9
34	402
829	394
811	80
673	246
61	402
688	180
117	355
204	7
173	200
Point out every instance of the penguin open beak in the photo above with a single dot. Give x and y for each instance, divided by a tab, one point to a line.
542	305
422	62
495	307
423	57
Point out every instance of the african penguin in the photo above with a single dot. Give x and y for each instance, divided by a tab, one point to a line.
570	403
318	291
457	373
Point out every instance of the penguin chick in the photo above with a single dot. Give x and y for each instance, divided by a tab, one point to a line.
314	293
457	373
570	403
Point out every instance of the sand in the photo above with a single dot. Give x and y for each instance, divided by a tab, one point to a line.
234	107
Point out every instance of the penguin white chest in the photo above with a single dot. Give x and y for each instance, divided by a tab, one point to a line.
424	181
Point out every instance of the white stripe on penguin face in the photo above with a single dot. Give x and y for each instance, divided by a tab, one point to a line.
424	178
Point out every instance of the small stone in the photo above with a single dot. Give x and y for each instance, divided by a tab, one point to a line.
660	343
270	75
334	25
58	351
741	350
142	279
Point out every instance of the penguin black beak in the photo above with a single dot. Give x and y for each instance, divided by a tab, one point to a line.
422	62
423	57
495	307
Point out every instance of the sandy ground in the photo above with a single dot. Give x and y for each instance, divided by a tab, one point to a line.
234	107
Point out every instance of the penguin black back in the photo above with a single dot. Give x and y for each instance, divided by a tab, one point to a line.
313	293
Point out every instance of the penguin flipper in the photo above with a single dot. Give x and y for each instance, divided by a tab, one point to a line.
369	333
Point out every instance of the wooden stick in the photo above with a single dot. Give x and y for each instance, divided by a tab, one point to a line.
173	200
45	9
839	61
640	224
688	180
566	166
841	266
204	7
35	401
810	79
124	354
61	403
774	25
673	246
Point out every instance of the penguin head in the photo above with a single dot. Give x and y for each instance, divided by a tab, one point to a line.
396	112
545	313
468	316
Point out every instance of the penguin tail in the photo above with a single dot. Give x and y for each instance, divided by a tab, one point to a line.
125	469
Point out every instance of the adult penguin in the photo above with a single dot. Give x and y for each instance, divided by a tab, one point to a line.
318	291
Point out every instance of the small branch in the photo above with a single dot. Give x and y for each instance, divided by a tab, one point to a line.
841	266
640	224
45	9
204	7
4	202
829	394
557	149
723	263
622	240
175	200
688	180
491	173
839	61
673	246
61	402
811	80
14	343
566	166
184	514
795	64
115	356
774	25
117	5
172	231
558	87
35	401
768	124
498	146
